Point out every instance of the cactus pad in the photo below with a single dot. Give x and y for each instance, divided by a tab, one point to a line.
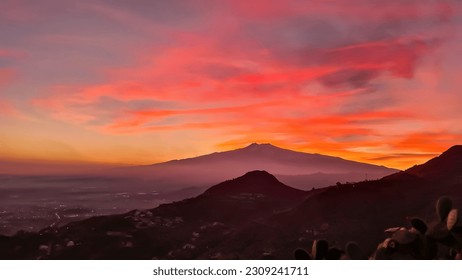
443	207
452	219
419	225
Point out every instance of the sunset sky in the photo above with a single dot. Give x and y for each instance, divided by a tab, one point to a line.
145	81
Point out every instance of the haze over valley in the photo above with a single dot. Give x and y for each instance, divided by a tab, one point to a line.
31	202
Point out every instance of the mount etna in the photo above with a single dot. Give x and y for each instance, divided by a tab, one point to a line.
300	170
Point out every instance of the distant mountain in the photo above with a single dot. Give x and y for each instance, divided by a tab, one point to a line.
300	169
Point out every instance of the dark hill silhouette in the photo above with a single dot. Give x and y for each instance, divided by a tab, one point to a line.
195	172
251	196
251	216
255	182
447	165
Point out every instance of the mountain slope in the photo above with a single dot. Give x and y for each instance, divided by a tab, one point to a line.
447	165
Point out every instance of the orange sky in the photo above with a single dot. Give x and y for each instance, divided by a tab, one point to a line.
148	81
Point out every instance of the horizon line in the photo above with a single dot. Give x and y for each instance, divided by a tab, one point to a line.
71	163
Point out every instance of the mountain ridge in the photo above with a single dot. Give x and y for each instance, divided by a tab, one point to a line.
266	147
445	165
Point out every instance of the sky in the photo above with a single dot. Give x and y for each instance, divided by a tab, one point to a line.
139	82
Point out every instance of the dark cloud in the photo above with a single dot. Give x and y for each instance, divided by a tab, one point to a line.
218	71
371	99
351	78
405	155
174	13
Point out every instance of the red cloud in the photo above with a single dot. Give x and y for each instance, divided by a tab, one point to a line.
397	56
6	76
12	54
267	82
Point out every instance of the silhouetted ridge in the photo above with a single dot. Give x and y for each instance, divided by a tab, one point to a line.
260	182
262	145
263	148
454	151
447	165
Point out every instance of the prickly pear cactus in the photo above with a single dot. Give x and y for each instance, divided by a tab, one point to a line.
404	236
320	249
438	231
443	207
334	254
452	219
419	225
353	251
301	254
